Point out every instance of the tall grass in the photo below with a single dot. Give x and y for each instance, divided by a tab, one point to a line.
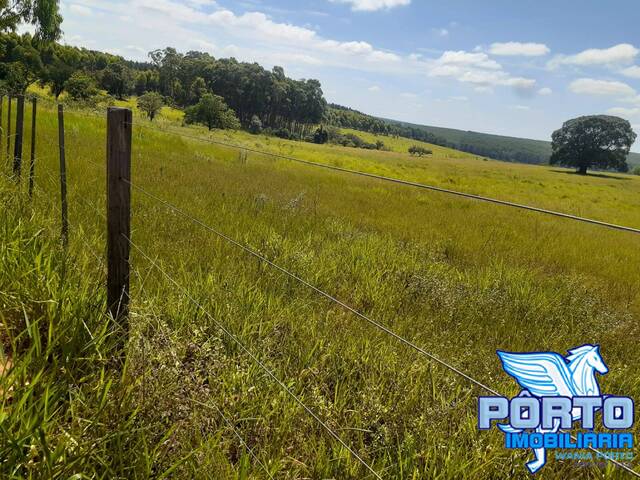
459	278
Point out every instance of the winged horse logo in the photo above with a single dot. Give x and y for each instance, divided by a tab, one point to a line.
548	374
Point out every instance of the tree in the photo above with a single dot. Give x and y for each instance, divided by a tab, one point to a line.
42	14
150	103
20	62
321	135
80	86
117	79
419	150
599	141
198	89
255	126
213	112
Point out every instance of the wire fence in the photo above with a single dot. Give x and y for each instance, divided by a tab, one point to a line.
246	249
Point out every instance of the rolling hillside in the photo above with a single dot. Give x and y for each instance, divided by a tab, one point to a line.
521	150
459	278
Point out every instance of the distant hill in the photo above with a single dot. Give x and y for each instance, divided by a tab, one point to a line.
499	147
522	150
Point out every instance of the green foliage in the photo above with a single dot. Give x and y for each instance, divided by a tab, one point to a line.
419	150
117	79
344	117
350	140
247	88
79	406
255	126
198	89
80	86
406	257
150	103
213	112
42	14
596	141
321	135
636	170
146	81
20	63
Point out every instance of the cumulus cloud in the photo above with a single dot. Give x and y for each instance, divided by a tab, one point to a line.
545	91
80	10
590	86
373	5
519	49
624	112
632	72
478	69
621	54
258	37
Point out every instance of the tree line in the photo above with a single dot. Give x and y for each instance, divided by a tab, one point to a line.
275	100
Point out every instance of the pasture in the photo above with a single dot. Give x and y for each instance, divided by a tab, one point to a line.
458	277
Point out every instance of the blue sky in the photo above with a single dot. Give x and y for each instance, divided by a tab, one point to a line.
500	66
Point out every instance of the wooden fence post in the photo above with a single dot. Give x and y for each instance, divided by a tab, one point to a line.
9	129
1	129
118	212
32	167
17	151
63	177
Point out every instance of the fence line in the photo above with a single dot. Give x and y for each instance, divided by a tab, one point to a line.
235	431
404	182
314	288
248	250
254	358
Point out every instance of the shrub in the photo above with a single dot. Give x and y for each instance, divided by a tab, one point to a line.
419	150
213	112
255	126
80	86
150	103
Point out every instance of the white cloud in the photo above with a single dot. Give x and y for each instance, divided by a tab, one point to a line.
632	72
545	91
461	58
519	49
373	5
478	69
374	88
80	10
483	89
624	112
621	54
441	32
590	86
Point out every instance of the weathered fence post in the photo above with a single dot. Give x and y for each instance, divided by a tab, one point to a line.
9	129
32	167
63	177
118	212
17	151
1	129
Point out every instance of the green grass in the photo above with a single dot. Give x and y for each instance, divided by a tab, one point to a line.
457	277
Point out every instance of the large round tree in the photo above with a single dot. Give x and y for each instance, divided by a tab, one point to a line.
595	141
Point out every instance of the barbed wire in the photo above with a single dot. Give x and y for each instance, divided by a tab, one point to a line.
316	289
400	181
256	360
347	307
235	431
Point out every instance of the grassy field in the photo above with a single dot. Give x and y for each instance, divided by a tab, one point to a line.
457	277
